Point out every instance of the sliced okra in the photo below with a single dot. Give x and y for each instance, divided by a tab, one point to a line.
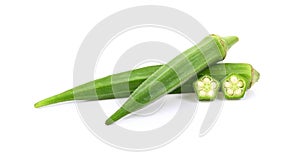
234	86
206	88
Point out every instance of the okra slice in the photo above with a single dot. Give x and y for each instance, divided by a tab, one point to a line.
206	88
234	86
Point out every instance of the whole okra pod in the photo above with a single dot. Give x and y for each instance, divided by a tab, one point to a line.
134	78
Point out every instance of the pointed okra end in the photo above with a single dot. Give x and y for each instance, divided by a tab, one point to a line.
116	116
62	97
38	105
109	121
234	86
206	88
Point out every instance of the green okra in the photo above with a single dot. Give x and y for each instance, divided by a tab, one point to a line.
234	86
206	88
134	78
171	75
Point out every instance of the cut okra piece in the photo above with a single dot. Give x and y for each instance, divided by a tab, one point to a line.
206	88
234	86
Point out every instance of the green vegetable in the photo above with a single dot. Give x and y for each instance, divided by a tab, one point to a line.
109	87
171	75
206	88
220	71
134	78
234	86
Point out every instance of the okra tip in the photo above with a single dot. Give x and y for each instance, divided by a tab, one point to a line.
62	97
117	115
109	121
37	105
230	40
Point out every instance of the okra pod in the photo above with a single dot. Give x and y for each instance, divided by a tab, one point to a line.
171	75
103	86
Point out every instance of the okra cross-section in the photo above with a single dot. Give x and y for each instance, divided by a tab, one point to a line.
234	86
206	88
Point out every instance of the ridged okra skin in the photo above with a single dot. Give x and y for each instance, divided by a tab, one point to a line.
171	75
107	89
220	71
119	85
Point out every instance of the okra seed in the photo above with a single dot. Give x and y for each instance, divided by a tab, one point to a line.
227	84
206	80
238	91
240	84
234	79
229	91
200	84
202	93
211	93
214	85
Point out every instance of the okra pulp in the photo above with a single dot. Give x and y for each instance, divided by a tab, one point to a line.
206	88
234	86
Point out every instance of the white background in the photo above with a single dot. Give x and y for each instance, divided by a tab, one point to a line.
38	46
